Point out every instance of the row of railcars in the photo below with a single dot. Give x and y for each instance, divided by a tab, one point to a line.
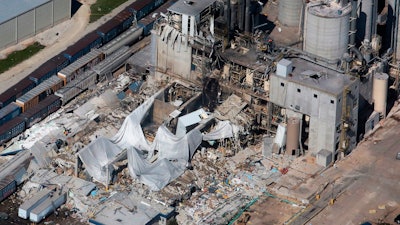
75	69
39	93
77	86
19	124
94	39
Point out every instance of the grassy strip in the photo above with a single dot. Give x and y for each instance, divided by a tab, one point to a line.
103	7
19	56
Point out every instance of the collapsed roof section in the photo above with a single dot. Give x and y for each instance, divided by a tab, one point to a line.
172	151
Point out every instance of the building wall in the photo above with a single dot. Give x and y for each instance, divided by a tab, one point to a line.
62	10
324	109
44	16
174	58
8	33
24	26
34	21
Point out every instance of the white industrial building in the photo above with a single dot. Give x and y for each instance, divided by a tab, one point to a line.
25	18
328	99
174	41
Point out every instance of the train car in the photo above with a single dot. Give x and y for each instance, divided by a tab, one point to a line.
48	69
11	129
79	66
40	111
7	187
128	37
117	25
39	93
83	46
77	86
110	29
148	21
144	7
113	61
16	91
9	112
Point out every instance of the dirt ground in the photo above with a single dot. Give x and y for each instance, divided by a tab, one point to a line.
364	185
56	39
270	210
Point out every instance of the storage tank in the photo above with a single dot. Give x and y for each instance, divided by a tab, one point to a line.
327	30
290	12
367	19
379	92
293	132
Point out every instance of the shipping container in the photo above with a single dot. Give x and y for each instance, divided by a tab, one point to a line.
9	112
7	187
16	91
40	92
40	111
11	129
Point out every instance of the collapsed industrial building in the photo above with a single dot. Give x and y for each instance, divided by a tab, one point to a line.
190	119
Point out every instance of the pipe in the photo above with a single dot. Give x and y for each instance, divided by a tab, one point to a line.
368	7
358	54
240	14
233	14
228	17
247	17
353	24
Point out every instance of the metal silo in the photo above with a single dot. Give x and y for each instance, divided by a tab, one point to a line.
327	30
290	12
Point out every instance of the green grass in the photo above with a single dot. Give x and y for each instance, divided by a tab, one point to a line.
19	56
103	7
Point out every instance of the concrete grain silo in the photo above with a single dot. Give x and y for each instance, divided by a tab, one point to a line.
290	12
327	29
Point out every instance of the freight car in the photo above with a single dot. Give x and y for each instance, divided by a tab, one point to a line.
48	69
77	86
81	65
15	91
83	46
8	185
9	112
31	92
40	111
11	129
39	93
17	125
137	9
